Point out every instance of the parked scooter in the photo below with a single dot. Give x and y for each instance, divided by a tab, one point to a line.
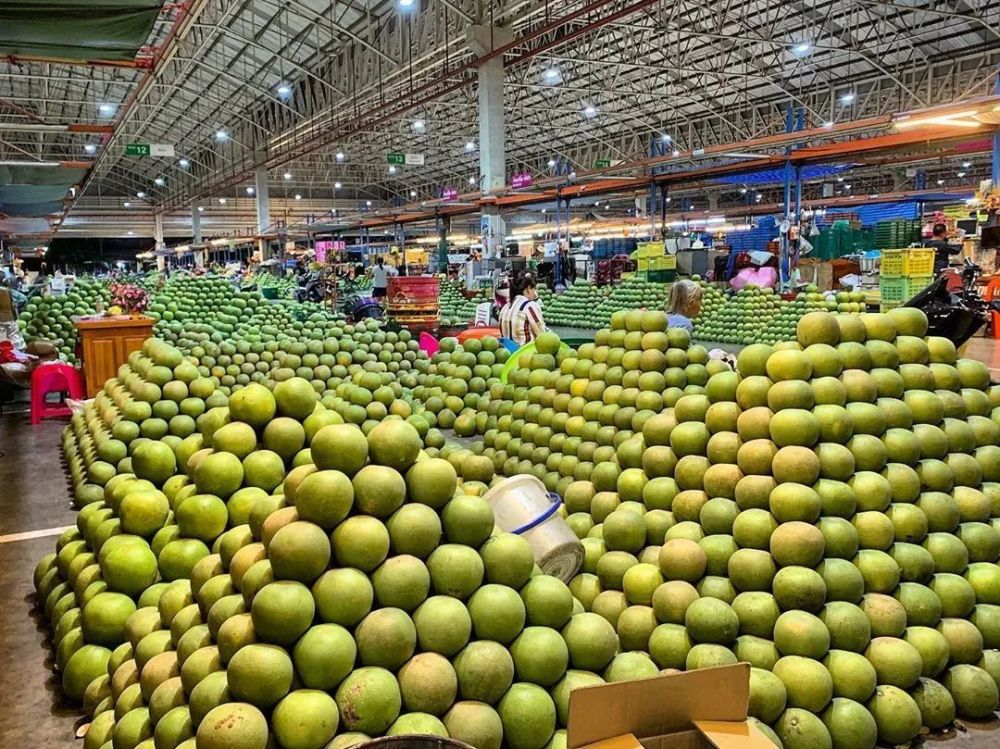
957	316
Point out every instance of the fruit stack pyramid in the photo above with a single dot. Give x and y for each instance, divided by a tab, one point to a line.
633	293
50	317
455	308
829	512
575	306
279	576
455	387
757	315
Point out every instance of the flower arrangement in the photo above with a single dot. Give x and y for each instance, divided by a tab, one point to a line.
129	297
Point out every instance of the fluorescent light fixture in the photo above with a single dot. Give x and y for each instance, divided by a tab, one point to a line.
960	175
840	179
406	4
298	196
183	163
847	98
847	187
940	181
590	111
419	125
201	209
250	191
221	135
552	76
284	91
966	164
337	185
140	194
392	169
552	163
127	204
286	175
222	201
106	110
90	148
470	146
743	191
828	124
802	48
340	156
159	182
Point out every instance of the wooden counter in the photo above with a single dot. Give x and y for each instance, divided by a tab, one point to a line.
106	342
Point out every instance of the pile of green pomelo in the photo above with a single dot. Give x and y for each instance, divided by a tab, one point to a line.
299	559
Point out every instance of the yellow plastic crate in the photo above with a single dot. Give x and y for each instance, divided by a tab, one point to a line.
650	249
643	263
666	262
915	262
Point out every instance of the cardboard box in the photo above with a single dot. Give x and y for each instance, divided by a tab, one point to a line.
691	710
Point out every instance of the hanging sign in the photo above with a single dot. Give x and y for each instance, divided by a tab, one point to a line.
602	163
414	159
524	179
449	193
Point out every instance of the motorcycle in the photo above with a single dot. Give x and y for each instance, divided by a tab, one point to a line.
957	316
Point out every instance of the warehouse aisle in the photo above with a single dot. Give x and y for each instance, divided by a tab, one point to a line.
33	498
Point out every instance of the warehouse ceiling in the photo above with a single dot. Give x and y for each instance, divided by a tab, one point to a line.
318	92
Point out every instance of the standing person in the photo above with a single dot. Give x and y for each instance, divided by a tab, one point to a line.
683	305
942	250
380	279
521	318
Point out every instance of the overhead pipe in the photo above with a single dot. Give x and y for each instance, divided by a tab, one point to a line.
73	127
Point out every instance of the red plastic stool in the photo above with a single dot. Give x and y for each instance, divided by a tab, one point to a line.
55	377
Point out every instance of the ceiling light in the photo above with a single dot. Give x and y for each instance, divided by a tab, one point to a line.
406	4
340	155
419	125
90	148
847	187
250	191
222	201
665	138
847	98
802	48
127	204
552	76
221	135
140	194
670	200
201	209
827	124
392	169
691	207
840	179
183	163
552	163
106	110
543	210
413	193
590	111
676	153
960	175
470	146
159	182
758	196
298	196
597	202
368	203
743	191
472	180
966	164
286	175
940	181
130	233
284	91
337	185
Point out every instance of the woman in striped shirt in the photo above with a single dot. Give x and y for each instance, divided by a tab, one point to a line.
521	319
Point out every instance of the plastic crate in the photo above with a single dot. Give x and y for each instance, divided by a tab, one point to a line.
662	276
897	290
912	263
413	289
666	262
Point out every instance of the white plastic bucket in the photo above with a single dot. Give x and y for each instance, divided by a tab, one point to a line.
522	505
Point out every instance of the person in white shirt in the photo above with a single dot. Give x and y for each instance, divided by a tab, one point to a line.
380	278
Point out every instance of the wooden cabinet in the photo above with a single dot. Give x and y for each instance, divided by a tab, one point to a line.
106	342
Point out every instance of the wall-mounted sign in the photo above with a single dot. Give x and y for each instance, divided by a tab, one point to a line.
449	193
522	180
602	163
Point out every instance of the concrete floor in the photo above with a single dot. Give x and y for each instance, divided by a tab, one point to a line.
34	496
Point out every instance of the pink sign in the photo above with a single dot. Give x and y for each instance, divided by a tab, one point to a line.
449	193
524	179
322	248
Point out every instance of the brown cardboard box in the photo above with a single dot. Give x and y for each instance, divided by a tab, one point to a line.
691	710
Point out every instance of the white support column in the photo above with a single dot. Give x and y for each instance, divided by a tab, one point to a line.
196	236
263	206
161	262
492	146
